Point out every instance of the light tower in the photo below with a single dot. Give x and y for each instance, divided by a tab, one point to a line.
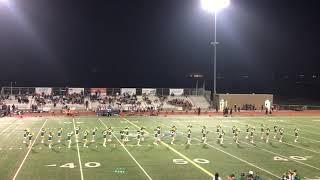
213	7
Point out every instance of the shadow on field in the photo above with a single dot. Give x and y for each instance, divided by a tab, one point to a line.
54	150
204	146
271	144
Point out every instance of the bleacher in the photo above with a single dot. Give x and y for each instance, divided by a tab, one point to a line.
125	99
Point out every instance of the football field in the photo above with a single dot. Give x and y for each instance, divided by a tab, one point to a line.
164	161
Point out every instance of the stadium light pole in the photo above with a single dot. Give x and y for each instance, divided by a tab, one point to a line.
213	7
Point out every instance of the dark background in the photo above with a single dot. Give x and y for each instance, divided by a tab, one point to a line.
266	46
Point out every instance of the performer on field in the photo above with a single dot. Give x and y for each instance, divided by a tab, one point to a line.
173	134
69	139
126	131
138	137
296	134
94	134
275	130
189	135
252	134
59	135
221	137
109	132
85	140
267	135
42	133
30	139
204	133
50	137
281	131
262	131
247	131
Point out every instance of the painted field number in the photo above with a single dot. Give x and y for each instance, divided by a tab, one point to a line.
298	158
88	164
197	160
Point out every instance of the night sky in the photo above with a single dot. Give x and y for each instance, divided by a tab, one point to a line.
266	46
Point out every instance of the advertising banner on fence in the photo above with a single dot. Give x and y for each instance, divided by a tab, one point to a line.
75	90
149	91
101	91
176	92
130	91
43	90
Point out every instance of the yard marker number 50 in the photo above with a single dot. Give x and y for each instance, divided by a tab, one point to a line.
197	160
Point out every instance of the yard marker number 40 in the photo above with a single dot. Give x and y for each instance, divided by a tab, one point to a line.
197	160
298	158
88	164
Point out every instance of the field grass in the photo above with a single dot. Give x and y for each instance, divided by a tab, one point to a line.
165	161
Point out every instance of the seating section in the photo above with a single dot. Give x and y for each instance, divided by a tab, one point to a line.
123	102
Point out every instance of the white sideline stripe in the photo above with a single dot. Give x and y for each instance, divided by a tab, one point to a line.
253	165
128	153
177	152
25	157
80	164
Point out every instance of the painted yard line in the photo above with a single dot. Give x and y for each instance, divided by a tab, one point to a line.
290	143
79	157
128	152
299	136
313	140
271	152
291	159
181	155
253	165
276	153
290	125
7	128
25	157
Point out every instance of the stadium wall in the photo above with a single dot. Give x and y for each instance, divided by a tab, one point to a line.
242	99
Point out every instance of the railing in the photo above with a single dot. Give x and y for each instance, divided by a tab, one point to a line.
109	91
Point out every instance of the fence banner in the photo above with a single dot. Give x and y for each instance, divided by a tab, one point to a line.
149	91
101	91
43	90
130	91
176	92
75	90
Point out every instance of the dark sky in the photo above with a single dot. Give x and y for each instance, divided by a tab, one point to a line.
264	44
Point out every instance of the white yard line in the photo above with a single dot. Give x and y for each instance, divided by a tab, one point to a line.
79	157
6	128
276	153
180	154
242	160
144	171
25	157
317	152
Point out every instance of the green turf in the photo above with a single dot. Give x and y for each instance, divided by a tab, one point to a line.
149	161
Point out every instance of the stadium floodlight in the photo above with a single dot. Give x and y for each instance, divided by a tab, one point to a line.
213	6
4	1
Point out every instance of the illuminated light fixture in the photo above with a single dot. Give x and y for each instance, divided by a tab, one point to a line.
213	6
